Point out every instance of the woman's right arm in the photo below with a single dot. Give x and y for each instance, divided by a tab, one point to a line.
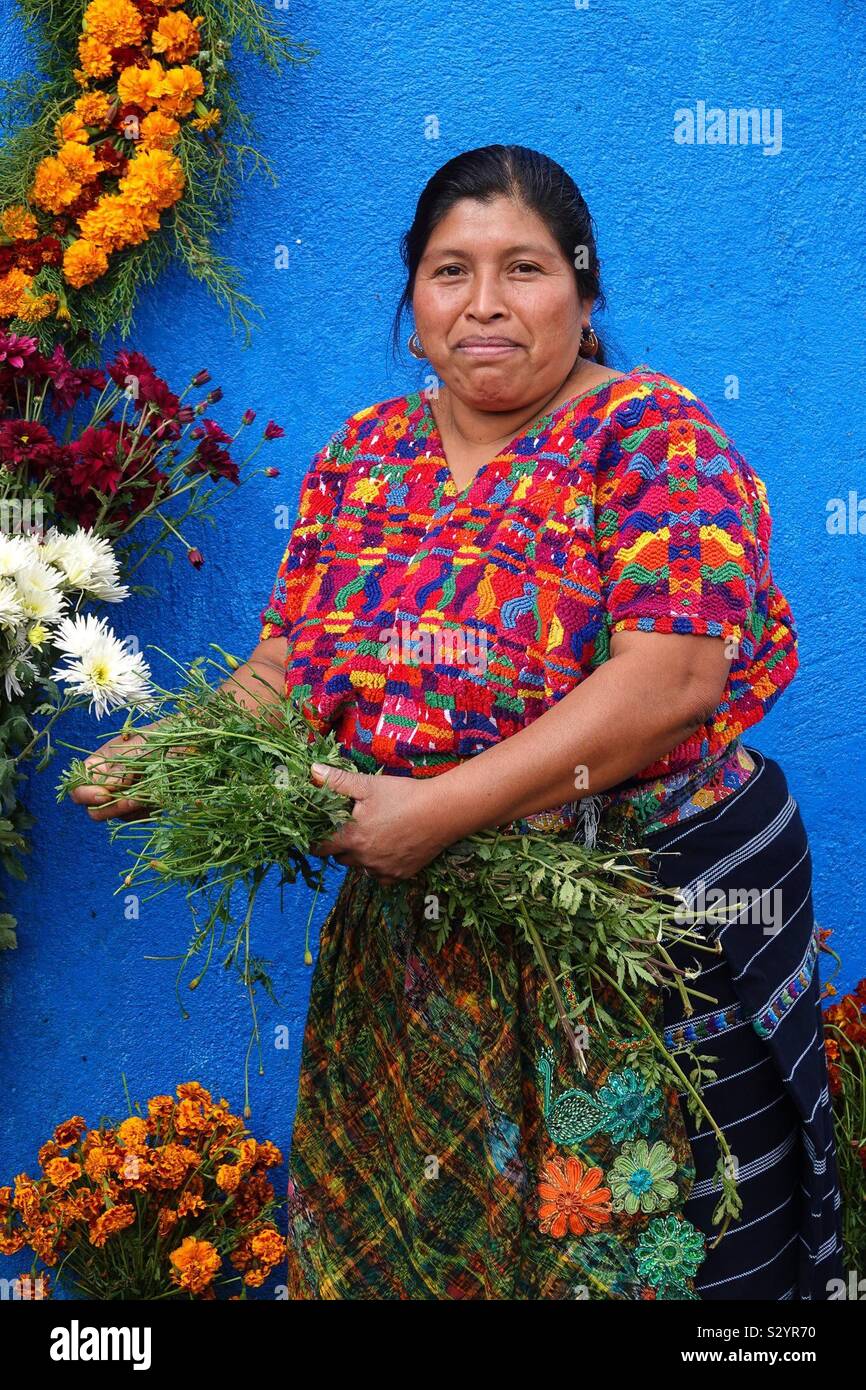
258	683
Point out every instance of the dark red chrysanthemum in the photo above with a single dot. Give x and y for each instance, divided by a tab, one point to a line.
115	161
215	432
71	384
18	440
87	199
216	462
100	458
273	430
125	56
128	364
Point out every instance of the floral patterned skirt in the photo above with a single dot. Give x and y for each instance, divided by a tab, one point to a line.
446	1145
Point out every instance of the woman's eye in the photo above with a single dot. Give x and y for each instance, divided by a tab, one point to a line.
443	268
525	265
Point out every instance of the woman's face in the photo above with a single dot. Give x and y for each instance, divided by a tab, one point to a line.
492	272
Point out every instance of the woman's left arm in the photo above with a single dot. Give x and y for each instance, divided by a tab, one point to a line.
652	693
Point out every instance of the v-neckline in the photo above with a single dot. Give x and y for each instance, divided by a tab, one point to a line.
536	427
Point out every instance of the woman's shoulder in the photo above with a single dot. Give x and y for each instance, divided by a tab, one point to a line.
365	426
651	392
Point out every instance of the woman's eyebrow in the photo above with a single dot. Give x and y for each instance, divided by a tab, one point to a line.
524	248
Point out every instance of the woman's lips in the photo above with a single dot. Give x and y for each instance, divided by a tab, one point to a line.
486	350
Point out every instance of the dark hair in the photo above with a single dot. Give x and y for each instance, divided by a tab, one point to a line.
516	172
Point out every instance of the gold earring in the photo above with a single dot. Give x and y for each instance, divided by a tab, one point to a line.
588	343
413	336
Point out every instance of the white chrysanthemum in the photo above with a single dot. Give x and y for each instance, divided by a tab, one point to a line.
11	612
16	553
40	593
87	562
99	665
14	667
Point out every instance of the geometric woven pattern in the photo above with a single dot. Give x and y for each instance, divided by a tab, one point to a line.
626	507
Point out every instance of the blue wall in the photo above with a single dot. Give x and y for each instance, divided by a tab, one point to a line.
718	261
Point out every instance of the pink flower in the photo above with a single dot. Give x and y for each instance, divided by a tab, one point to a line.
273	431
13	349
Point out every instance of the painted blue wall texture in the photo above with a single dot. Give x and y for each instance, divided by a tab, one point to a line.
737	268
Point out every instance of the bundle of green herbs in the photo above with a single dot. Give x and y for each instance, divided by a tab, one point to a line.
232	802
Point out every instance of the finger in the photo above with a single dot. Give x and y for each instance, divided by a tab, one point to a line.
123	809
341	780
90	795
334	845
109	775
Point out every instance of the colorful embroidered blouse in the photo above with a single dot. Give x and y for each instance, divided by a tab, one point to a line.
426	623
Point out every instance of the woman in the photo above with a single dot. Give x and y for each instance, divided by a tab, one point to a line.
539	592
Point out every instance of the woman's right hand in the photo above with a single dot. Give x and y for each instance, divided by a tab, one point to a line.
106	767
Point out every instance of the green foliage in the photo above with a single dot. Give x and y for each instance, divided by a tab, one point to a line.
230	799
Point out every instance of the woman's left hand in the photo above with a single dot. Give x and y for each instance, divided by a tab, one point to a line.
393	832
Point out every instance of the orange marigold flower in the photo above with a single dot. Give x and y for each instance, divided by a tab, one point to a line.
70	127
13	287
179	89
48	1151
572	1198
160	1108
13	1242
62	1171
18	223
193	1090
254	1192
153	182
93	108
247	1150
209	121
80	161
268	1246
132	1134
116	23
158	132
37	307
99	1160
195	1264
135	1169
176	35
107	224
268	1155
190	1204
83	263
171	1163
242	1256
95	58
254	1278
166	1221
141	86
115	1219
45	1244
84	1204
53	186
190	1117
27	1198
227	1177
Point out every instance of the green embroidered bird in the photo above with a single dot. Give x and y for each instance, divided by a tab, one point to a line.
574	1115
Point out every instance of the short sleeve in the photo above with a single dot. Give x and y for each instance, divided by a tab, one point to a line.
676	519
319	502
